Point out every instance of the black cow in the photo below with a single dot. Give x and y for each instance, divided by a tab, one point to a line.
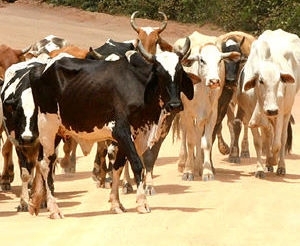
110	50
125	98
232	69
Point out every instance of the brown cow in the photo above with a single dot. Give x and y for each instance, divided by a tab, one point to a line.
9	56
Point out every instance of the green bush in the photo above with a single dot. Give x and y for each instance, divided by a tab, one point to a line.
252	16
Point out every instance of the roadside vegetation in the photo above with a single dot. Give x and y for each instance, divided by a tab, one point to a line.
253	16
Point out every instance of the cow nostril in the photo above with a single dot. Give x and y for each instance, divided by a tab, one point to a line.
272	112
174	106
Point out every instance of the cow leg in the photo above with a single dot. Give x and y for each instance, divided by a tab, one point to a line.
26	170
122	134
234	155
281	170
260	170
47	136
191	142
68	162
126	185
7	176
100	169
182	152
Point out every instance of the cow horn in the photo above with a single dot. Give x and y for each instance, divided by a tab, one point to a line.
165	22
132	22
144	53
26	49
95	54
185	51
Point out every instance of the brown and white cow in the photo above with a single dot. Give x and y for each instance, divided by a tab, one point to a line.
198	118
150	36
273	71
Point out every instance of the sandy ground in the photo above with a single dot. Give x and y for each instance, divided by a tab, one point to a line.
234	209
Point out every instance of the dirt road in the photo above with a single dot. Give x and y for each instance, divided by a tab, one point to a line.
234	209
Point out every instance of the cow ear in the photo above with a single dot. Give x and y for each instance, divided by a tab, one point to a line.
187	85
287	78
250	84
195	79
151	89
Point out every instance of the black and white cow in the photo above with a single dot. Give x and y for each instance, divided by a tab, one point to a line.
127	96
20	125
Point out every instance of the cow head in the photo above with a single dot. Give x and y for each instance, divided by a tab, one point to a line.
21	116
150	36
171	77
232	67
268	82
46	45
9	56
210	66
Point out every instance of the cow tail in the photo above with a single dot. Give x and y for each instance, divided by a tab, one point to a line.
289	140
176	128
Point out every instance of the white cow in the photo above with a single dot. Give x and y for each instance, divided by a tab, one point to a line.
198	119
273	70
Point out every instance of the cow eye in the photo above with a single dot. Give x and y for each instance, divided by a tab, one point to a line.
261	81
202	61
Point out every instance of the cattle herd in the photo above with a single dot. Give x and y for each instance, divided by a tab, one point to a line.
126	96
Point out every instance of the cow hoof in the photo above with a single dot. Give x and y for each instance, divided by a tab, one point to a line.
149	190
188	177
56	215
280	171
118	209
22	208
234	159
208	177
143	208
245	154
270	168
224	149
127	188
260	174
33	210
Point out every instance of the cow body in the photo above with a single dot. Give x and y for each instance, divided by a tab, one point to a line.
199	117
124	94
273	71
240	42
21	128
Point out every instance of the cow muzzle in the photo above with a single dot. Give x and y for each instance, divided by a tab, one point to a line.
213	83
174	106
271	112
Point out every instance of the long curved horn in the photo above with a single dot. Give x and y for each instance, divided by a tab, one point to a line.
95	54
132	22
165	22
185	51
144	53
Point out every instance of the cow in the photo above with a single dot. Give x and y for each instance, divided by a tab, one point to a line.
110	50
9	56
20	125
150	36
199	116
231	41
127	96
46	45
272	71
